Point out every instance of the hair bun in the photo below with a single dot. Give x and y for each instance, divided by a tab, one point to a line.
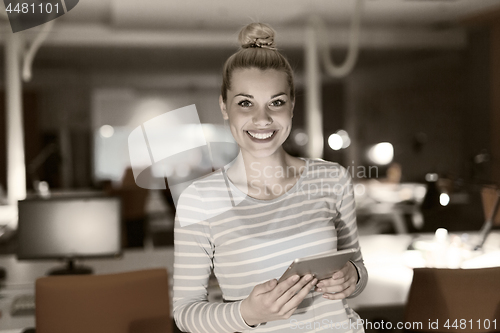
257	35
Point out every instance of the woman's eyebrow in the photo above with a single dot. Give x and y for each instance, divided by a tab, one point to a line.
250	96
282	93
244	95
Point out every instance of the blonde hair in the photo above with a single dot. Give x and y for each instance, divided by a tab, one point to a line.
257	50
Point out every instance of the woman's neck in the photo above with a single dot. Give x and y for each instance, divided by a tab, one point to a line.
259	175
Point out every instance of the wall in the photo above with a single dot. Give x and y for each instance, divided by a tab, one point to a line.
396	102
73	103
442	94
65	119
127	108
478	104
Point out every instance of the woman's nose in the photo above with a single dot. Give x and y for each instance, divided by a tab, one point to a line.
262	118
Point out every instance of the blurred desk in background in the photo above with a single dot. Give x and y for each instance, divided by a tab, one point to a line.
381	202
21	276
390	267
386	257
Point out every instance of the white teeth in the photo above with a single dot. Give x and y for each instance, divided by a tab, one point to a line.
261	136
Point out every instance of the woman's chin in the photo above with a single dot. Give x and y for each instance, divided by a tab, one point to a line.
263	152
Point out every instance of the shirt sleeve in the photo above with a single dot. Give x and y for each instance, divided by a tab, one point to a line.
347	230
193	263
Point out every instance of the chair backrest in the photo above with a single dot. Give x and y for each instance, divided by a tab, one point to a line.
131	302
443	295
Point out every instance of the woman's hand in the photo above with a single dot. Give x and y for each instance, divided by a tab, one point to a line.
271	300
342	283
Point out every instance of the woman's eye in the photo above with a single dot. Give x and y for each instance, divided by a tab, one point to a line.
245	104
278	102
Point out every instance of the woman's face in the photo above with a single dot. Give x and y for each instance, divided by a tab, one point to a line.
259	110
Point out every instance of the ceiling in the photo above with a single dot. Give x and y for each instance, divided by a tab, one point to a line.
159	35
215	24
223	14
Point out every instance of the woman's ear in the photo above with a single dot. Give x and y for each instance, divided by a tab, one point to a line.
293	106
223	108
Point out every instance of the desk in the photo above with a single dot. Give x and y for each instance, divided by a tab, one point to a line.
381	202
22	274
390	276
388	284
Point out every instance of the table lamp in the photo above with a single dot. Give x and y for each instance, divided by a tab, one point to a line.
491	203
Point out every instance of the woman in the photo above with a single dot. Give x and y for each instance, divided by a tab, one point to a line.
250	220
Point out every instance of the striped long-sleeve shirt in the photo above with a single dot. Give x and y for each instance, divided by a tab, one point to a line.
247	241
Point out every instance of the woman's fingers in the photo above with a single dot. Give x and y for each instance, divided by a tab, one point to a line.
297	298
283	286
340	280
341	288
293	288
340	295
333	285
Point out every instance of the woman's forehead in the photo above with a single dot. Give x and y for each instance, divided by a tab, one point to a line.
252	81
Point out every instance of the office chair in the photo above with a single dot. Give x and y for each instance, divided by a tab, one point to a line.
447	294
131	302
134	216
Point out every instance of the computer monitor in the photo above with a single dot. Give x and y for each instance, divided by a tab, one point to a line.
69	229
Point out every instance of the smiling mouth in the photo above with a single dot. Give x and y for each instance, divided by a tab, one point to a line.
261	136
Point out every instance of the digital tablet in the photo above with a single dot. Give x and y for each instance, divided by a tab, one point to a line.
321	265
